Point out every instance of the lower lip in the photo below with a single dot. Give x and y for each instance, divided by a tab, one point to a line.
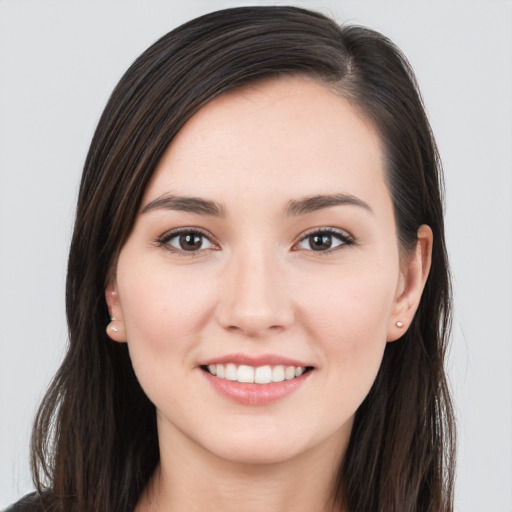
256	394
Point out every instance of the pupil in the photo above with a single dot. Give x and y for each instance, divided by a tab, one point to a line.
319	242
190	242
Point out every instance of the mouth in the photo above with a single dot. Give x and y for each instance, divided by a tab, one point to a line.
246	374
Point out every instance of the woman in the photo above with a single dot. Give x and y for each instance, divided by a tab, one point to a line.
258	295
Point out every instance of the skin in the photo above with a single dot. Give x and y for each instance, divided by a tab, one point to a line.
255	286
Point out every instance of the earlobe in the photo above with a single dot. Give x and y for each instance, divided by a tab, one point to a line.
115	329
412	283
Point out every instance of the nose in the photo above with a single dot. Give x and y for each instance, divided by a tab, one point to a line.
255	297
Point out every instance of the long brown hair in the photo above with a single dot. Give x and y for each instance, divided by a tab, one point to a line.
94	444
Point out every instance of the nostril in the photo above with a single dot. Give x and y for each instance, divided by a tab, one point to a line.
254	329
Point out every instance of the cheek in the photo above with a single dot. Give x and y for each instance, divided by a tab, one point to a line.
163	313
349	325
161	305
353	306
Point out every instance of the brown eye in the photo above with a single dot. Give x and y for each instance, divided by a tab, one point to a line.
190	242
320	242
187	241
325	240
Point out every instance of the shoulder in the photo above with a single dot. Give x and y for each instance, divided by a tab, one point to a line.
29	503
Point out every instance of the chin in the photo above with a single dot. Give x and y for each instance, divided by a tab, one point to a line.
264	446
256	446
258	454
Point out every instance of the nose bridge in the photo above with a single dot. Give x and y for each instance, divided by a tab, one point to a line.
254	298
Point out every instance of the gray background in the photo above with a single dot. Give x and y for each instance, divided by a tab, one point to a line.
59	60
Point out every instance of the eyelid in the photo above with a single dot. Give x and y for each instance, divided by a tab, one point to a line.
344	236
163	240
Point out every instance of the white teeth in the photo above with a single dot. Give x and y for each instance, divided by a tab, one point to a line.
231	372
278	374
289	373
263	375
245	373
260	375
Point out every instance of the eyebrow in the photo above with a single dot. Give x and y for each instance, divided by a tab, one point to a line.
185	204
294	207
314	203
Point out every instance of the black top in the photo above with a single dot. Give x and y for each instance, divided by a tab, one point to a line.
29	503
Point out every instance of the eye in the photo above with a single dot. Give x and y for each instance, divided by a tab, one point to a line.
186	241
325	240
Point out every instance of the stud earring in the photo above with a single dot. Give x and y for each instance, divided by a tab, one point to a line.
115	329
111	326
399	324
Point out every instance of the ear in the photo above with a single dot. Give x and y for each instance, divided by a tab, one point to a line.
412	281
116	328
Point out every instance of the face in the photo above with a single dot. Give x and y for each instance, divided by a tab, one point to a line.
265	250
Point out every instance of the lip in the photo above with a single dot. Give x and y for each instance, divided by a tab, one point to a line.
255	394
255	360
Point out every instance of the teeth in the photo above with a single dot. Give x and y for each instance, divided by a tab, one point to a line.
220	370
231	372
263	375
260	375
278	374
245	373
289	373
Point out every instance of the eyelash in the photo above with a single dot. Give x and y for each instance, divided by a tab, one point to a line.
164	240
342	236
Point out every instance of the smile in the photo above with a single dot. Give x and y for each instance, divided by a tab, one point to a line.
266	374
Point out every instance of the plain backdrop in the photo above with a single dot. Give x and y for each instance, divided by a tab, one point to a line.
59	61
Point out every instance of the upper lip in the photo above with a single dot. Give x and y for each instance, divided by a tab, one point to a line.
255	360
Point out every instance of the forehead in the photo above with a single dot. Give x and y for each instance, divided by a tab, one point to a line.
287	136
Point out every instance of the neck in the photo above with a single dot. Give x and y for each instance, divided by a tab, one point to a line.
188	478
